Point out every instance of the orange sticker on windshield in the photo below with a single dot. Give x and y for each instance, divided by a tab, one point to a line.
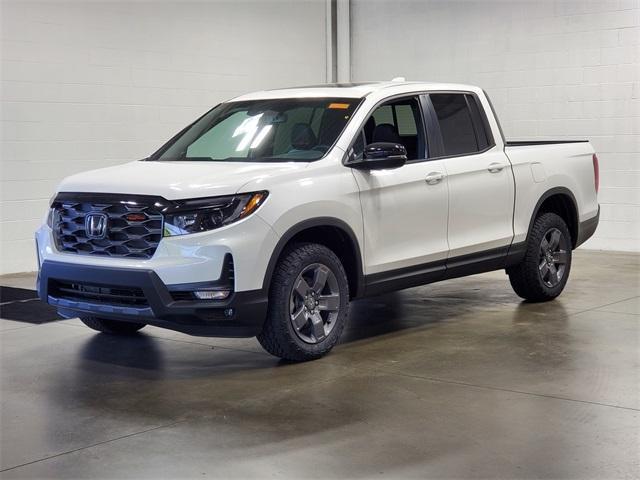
339	106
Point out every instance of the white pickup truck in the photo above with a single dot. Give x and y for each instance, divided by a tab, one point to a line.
270	213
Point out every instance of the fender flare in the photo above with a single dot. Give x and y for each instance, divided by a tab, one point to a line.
549	193
310	223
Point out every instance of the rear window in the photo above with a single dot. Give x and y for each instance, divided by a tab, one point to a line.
479	123
461	123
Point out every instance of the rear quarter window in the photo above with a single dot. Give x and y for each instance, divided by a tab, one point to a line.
456	124
462	123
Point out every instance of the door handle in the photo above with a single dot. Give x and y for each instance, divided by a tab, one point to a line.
495	167
434	178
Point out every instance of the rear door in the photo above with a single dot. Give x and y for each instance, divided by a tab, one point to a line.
481	184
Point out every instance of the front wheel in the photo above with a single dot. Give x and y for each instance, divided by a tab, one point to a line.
544	272
308	304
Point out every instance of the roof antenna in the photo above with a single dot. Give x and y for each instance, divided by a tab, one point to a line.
398	79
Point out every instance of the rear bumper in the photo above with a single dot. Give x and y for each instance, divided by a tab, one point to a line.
587	228
241	315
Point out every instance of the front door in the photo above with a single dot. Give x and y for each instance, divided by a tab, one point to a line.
405	210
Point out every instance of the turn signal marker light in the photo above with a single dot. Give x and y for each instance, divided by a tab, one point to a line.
254	202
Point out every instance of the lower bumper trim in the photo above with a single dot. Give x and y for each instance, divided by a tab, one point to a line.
241	315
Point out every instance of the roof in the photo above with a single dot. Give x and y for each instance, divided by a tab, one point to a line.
349	90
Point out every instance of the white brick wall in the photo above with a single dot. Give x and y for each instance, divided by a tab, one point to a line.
559	69
90	84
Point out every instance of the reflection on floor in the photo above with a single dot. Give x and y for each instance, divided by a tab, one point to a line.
456	380
23	305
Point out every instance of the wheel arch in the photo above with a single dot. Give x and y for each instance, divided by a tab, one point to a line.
334	234
561	201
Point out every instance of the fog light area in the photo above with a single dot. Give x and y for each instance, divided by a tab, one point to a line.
212	294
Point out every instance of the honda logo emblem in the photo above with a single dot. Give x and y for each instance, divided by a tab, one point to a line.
95	225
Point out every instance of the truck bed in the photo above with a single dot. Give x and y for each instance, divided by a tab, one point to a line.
542	166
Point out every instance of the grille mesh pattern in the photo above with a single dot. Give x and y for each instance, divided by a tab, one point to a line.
133	230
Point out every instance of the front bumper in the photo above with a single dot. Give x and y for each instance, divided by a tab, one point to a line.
241	315
193	258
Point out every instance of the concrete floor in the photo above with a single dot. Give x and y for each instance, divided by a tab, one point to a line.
453	380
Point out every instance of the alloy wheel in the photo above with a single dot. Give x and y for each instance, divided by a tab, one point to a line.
314	303
553	257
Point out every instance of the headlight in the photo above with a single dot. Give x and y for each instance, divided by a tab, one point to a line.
204	214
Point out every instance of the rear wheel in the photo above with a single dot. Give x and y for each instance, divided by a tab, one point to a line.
308	304
544	272
113	327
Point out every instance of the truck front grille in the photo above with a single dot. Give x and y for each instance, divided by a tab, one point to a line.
131	228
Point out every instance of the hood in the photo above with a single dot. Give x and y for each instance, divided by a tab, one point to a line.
175	180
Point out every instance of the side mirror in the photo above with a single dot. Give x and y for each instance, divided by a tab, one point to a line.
381	156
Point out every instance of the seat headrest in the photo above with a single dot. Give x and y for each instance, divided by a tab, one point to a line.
369	127
385	132
302	137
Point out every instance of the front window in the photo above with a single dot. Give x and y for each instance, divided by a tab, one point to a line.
281	130
397	121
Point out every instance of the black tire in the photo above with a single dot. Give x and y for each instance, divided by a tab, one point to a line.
534	278
279	336
113	327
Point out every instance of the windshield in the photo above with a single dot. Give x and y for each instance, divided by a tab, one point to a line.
282	130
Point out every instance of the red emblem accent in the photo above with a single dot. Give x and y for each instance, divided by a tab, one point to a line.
136	217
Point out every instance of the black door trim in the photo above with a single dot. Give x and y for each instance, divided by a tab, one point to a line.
461	266
401	278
